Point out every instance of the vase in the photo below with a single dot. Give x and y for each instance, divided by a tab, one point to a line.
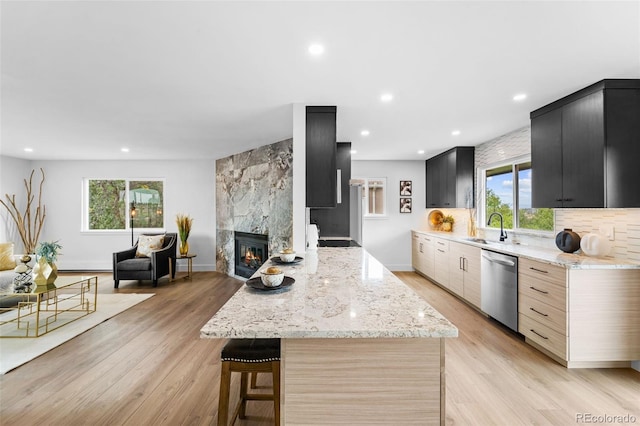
472	230
44	272
184	248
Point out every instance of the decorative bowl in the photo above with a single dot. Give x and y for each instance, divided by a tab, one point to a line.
272	277
287	256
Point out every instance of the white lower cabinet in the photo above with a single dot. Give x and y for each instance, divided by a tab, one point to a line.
441	259
581	317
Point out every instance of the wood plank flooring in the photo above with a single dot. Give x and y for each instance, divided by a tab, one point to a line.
148	366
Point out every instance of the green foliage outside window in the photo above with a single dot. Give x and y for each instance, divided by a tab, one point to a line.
107	204
111	201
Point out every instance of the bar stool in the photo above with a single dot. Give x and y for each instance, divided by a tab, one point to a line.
248	356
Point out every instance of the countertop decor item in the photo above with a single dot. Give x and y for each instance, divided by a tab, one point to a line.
184	223
28	224
568	241
258	285
594	244
272	276
447	223
435	219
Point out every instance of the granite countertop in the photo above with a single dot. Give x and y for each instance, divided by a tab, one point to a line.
551	256
338	293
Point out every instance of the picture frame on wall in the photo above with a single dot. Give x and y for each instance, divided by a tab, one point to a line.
406	188
405	205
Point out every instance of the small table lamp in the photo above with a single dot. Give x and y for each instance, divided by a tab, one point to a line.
132	214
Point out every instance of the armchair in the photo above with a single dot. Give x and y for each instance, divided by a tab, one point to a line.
126	266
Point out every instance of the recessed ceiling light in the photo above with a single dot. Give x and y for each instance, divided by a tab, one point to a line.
520	97
353	151
364	133
421	152
316	49
455	132
124	149
28	150
386	97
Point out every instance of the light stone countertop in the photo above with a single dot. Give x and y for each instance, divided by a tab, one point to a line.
341	292
551	256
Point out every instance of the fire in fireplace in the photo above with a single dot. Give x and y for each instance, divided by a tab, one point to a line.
251	251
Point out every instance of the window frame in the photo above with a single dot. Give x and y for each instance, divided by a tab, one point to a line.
85	206
482	196
365	188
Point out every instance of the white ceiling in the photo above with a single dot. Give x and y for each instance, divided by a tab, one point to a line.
206	79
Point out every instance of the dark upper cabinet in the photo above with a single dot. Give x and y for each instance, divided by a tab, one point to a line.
585	148
335	222
450	179
321	156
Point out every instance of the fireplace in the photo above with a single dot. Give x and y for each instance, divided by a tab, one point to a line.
251	252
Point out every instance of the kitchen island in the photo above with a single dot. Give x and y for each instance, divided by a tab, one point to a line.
358	345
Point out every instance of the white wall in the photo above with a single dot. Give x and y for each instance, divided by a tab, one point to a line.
389	239
189	189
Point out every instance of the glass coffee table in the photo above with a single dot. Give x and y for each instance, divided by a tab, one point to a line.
47	307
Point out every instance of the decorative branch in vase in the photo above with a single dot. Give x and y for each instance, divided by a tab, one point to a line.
28	225
184	223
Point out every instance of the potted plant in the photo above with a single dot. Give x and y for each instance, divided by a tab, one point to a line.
45	271
447	223
184	223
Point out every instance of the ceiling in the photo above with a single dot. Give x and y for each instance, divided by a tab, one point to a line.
206	79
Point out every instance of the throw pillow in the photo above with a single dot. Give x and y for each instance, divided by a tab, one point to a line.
149	243
7	261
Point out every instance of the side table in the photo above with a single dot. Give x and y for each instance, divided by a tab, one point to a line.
189	258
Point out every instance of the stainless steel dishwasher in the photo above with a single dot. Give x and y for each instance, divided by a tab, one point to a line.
499	287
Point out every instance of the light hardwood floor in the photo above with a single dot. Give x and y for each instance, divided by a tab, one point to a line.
148	366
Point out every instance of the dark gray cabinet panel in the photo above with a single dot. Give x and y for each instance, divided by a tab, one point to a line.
585	147
450	179
335	222
321	156
546	174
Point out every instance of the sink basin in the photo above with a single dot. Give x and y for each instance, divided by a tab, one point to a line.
478	240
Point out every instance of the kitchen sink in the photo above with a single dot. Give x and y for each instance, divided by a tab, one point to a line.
478	240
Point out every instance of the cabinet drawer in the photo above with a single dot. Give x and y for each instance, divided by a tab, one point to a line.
543	271
441	245
544	336
543	313
543	291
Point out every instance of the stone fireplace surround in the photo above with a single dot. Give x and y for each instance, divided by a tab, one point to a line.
254	194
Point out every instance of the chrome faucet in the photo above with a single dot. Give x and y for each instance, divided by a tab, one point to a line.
503	233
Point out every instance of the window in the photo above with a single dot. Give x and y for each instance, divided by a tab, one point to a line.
118	204
374	195
507	190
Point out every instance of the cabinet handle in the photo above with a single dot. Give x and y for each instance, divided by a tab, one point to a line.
542	271
339	186
538	312
558	199
460	263
465	262
421	248
440	243
535	332
567	199
539	291
441	251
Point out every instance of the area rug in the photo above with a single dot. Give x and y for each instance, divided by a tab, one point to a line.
16	351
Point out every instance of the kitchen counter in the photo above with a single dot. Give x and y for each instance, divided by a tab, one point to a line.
344	321
551	256
341	293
